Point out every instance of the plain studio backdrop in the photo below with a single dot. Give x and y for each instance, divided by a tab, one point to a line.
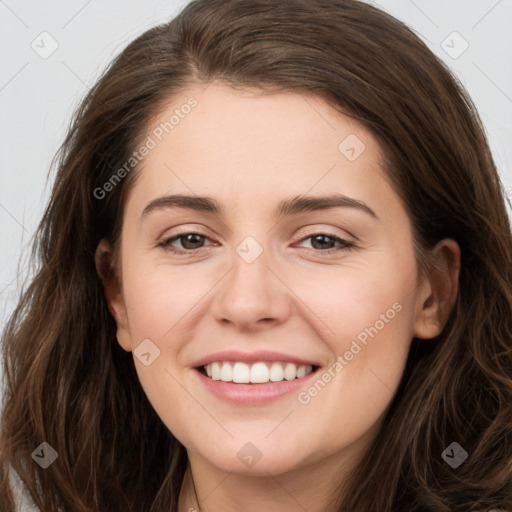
53	52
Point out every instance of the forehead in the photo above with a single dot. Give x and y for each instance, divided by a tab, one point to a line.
242	122
247	145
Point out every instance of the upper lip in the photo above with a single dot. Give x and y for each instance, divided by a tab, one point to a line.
251	357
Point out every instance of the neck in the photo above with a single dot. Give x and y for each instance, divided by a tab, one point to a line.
308	488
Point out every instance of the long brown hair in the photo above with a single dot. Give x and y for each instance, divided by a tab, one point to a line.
70	384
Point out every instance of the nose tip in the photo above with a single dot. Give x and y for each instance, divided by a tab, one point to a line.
247	319
249	298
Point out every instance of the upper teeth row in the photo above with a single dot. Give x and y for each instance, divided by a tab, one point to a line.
258	373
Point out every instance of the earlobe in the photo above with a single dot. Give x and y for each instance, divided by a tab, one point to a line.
113	292
438	290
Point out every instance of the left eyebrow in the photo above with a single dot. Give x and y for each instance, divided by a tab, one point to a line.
197	203
291	206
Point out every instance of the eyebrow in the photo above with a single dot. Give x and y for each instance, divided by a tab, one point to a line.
286	207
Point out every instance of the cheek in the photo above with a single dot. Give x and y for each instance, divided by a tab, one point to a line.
369	336
159	301
363	302
159	298
370	317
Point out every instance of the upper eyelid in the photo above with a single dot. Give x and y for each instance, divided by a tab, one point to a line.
178	235
310	230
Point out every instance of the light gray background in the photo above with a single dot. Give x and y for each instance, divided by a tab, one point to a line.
38	95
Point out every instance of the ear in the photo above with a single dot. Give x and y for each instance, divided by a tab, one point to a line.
438	290
113	292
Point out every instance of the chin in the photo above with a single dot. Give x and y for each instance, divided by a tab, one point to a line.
253	459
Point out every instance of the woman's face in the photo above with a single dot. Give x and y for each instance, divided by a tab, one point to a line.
276	283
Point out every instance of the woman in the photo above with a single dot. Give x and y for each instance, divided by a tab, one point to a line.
249	370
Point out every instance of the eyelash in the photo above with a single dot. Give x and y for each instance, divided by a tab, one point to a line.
345	245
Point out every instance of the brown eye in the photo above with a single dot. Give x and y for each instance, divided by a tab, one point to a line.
189	241
323	242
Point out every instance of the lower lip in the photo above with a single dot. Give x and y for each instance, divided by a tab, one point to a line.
253	394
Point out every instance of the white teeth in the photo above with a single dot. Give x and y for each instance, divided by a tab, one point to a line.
290	371
258	373
215	367
226	372
276	372
241	373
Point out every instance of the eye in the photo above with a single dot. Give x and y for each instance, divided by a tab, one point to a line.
190	241
322	242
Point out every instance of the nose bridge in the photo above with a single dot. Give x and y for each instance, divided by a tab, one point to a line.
249	285
251	292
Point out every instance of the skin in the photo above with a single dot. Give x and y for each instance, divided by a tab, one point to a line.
249	151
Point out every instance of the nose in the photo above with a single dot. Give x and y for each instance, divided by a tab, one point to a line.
252	296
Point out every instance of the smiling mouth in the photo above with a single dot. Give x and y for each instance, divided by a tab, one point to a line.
261	372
